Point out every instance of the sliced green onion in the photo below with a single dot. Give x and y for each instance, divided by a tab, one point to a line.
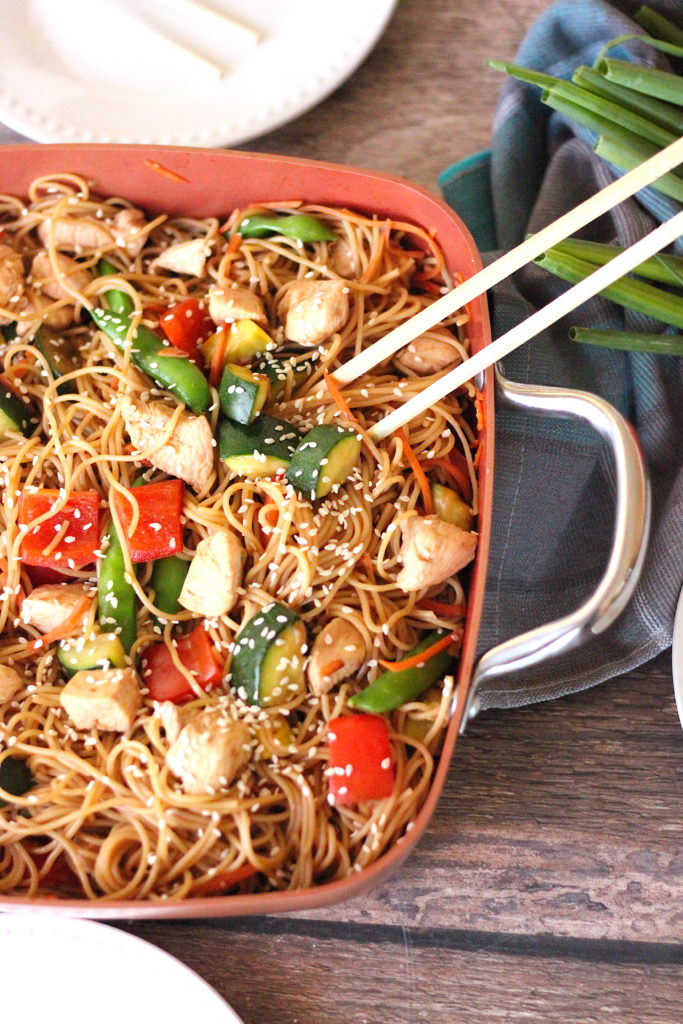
662	267
629	341
663	114
525	74
566	96
659	26
661	84
631	154
644	298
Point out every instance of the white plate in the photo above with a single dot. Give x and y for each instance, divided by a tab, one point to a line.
98	71
677	657
60	969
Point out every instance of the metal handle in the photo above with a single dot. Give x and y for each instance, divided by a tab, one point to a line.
629	542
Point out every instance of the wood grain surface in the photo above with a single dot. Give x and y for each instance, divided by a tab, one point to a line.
548	888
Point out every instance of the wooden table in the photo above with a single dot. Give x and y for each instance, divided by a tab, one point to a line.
548	888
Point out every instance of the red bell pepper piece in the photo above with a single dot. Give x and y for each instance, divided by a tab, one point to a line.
361	765
78	521
185	325
163	679
159	531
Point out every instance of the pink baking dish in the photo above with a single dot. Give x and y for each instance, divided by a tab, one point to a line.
217	181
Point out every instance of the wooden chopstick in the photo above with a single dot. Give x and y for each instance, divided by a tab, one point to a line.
605	275
567	224
194	8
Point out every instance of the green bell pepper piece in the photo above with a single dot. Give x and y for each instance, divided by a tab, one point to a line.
300	226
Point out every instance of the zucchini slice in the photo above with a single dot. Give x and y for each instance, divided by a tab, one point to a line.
257	449
104	650
268	657
61	355
242	394
14	415
450	507
245	340
15	777
323	459
280	372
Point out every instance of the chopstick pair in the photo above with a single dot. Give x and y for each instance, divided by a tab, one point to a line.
595	206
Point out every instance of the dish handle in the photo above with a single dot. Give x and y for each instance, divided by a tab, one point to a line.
629	538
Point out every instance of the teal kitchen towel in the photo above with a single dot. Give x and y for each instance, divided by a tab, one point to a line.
554	493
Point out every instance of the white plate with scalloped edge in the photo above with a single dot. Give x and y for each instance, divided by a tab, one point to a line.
112	70
58	969
677	657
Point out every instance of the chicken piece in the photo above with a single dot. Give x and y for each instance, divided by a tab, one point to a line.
10	683
31	314
106	699
343	258
187	453
49	606
45	278
75	233
215	573
340	644
129	230
432	550
432	352
11	279
227	303
185	257
315	310
209	752
173	718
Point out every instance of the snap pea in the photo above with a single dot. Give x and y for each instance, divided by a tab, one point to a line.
176	373
168	576
119	302
393	689
300	226
15	777
116	600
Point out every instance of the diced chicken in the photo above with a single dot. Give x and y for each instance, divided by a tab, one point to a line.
215	573
10	683
432	550
106	699
173	718
75	233
49	606
185	257
32	313
129	230
343	258
11	279
209	752
337	653
187	453
227	303
315	310
47	280
432	352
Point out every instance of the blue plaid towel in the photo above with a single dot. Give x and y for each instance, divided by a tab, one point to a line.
554	489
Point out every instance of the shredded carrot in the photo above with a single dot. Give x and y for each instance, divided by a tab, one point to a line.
374	264
423	656
224	880
218	356
427	285
233	245
21	369
366	561
479	411
332	667
284	204
265	516
166	172
448	611
66	627
174	353
337	397
418	471
460	478
428	237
